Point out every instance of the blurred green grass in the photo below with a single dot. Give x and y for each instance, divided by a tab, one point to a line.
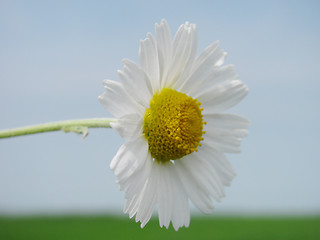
111	227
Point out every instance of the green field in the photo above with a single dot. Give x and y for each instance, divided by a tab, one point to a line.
109	227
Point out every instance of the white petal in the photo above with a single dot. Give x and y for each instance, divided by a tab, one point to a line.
204	174
136	81
173	201
211	56
134	187
164	193
221	97
183	53
196	193
199	81
181	212
134	183
219	162
141	193
149	60
164	44
131	205
225	121
228	145
148	201
224	132
160	186
128	126
185	74
130	157
117	101
202	68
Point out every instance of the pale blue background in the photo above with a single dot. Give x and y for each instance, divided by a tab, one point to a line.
55	54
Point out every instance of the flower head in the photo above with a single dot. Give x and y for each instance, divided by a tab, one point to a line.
170	113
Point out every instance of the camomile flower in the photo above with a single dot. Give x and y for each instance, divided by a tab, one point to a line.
169	110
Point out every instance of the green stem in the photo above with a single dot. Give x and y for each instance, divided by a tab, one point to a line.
78	126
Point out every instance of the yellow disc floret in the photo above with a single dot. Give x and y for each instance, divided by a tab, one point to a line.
173	125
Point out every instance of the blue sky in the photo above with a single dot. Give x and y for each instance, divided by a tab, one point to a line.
55	54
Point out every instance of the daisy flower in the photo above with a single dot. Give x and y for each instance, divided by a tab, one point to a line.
169	110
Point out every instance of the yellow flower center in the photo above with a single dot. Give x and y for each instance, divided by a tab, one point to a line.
173	125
